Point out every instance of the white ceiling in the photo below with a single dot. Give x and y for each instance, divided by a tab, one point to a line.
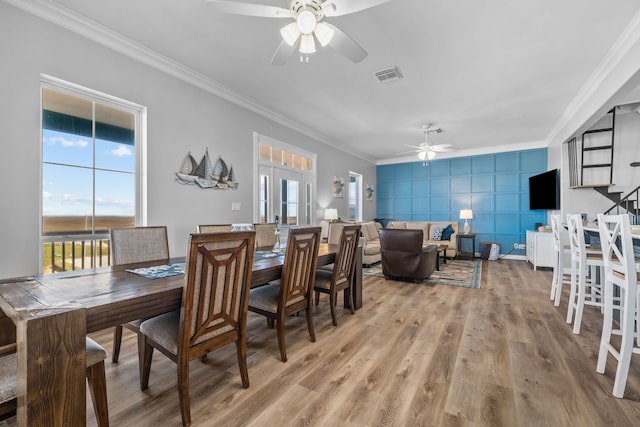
489	73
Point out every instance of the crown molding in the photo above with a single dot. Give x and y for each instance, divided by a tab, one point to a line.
89	29
622	46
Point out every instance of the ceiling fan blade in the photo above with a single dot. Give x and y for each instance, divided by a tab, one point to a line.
416	147
345	7
248	9
346	45
284	52
442	148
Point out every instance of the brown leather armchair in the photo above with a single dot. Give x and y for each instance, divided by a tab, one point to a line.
403	255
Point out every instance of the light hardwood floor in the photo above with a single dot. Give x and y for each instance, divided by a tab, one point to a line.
414	355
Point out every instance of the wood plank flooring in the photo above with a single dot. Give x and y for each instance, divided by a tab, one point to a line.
414	355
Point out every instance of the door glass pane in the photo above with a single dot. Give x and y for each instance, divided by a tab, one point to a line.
263	204
289	202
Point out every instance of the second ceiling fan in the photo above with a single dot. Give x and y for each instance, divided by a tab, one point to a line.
308	25
426	151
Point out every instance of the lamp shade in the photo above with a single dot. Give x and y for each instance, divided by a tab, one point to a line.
331	214
466	214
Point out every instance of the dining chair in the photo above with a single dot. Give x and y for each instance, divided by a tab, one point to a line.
213	313
293	292
335	232
266	236
95	373
213	228
131	245
339	279
561	252
619	272
584	276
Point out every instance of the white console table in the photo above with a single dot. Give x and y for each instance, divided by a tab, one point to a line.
540	248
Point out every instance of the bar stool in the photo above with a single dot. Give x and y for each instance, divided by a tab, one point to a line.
561	274
619	271
583	274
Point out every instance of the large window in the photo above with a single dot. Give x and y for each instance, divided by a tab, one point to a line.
90	174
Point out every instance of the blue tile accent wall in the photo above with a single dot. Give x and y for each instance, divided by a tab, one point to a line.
494	186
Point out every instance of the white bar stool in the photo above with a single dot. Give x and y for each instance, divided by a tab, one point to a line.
620	271
561	274
583	274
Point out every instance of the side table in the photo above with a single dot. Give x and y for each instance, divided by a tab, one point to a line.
462	241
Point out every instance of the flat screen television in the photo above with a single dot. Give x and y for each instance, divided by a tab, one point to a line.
544	190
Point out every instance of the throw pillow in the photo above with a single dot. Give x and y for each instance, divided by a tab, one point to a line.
447	232
436	233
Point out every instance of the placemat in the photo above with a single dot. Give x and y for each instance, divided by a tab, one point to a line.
159	271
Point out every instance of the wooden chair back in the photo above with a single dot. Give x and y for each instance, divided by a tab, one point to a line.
216	291
266	235
213	228
138	244
298	270
346	255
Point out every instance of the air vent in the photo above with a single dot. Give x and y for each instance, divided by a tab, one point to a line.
389	75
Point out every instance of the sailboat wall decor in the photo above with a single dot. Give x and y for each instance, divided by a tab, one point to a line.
216	176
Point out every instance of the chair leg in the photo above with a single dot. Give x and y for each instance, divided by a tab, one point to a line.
183	392
572	293
281	344
607	326
350	298
312	332
317	297
145	356
97	382
117	341
270	322
627	325
241	347
332	303
582	288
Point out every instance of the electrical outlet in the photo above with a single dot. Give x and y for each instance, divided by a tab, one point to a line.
515	246
522	246
235	206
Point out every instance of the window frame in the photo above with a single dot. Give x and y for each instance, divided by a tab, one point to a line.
140	171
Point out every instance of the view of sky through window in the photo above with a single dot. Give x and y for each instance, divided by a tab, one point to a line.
68	176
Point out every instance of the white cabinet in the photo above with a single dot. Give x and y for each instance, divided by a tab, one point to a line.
540	248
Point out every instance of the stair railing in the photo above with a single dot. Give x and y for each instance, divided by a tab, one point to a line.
629	204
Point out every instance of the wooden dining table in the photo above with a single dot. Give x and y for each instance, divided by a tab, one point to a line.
48	317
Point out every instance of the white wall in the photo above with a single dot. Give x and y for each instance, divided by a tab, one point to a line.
181	118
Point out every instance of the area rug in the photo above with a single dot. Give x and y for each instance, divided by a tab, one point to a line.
454	273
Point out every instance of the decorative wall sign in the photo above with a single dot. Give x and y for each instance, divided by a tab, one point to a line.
369	193
205	174
338	187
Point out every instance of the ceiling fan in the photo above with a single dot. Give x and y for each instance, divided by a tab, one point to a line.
426	151
308	25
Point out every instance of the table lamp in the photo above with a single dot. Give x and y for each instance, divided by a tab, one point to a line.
466	214
330	214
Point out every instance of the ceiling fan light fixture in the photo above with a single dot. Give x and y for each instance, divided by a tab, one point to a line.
422	155
431	154
307	45
306	21
324	33
290	33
